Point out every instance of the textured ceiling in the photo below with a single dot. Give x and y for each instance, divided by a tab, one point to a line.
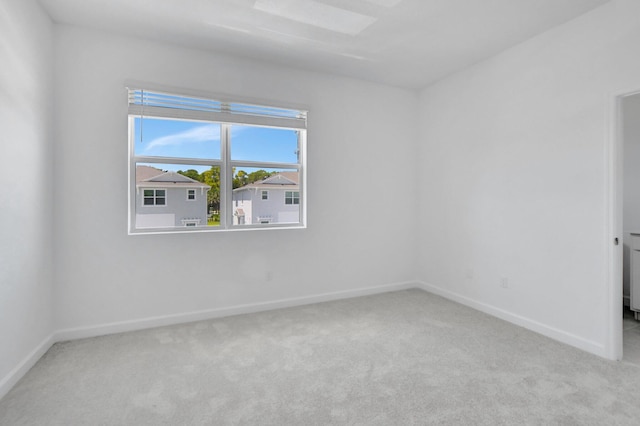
406	43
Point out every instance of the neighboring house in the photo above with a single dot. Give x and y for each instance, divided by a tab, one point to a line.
169	199
275	199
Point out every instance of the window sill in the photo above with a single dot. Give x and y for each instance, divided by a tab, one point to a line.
165	231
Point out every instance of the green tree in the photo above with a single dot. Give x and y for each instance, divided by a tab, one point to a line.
211	177
193	174
240	178
258	175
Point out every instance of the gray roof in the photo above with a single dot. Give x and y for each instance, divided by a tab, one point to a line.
146	172
281	180
151	177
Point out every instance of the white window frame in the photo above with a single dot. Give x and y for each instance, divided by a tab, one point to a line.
155	197
264	195
189	191
293	198
227	113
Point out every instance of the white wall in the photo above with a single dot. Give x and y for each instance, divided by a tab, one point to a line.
631	167
361	135
25	199
514	176
511	174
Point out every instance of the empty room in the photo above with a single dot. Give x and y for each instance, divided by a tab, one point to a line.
315	212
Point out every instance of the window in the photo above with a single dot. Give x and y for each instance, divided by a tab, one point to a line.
292	197
225	156
154	197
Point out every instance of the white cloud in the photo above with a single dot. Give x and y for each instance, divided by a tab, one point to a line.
206	133
236	130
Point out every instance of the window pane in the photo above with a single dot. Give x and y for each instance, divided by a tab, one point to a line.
164	205
156	137
252	143
249	206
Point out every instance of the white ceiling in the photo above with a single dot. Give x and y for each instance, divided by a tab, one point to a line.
406	43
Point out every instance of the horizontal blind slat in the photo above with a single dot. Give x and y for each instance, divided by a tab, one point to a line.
158	104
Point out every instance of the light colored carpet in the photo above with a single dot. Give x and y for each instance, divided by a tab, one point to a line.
402	358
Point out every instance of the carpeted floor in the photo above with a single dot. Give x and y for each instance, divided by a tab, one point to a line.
403	358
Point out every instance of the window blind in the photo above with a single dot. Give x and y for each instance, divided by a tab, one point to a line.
159	104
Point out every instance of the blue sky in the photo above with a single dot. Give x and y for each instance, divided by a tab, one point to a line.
201	140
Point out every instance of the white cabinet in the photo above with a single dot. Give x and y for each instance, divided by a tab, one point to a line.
635	273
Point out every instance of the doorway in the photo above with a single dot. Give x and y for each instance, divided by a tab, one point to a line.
625	220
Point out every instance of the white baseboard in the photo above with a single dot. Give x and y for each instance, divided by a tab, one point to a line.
25	365
159	321
548	331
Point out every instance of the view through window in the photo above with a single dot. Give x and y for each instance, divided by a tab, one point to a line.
208	165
